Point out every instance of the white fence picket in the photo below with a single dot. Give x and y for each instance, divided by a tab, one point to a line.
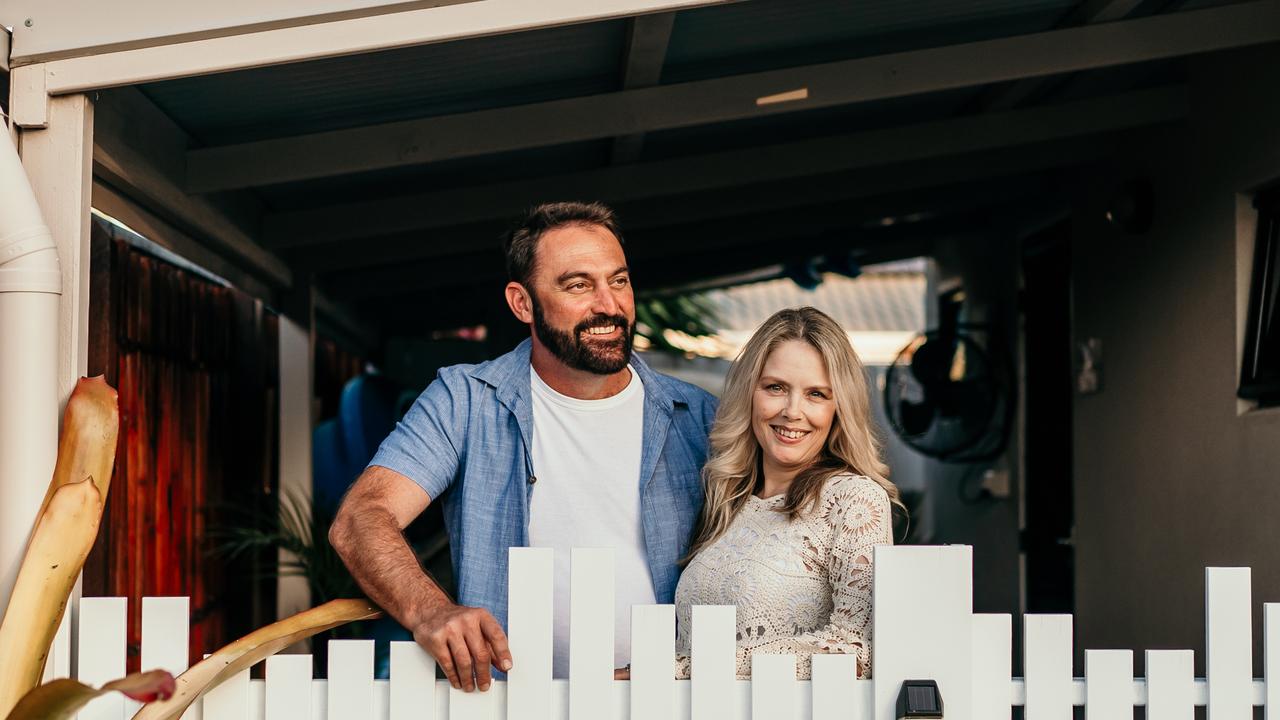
774	691
230	700
1047	664
350	680
653	655
835	688
923	599
531	594
1170	684
922	608
992	667
1271	658
591	627
1228	643
103	623
288	687
713	663
413	683
1108	676
166	629
476	705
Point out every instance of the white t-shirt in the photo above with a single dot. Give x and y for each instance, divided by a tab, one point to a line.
586	458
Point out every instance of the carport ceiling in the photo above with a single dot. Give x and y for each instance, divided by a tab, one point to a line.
387	177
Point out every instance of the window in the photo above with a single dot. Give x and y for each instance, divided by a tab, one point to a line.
1260	374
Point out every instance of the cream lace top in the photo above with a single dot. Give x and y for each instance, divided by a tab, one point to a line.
800	587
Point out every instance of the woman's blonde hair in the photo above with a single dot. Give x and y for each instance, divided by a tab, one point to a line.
733	469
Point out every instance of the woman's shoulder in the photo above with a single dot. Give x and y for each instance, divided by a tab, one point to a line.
846	485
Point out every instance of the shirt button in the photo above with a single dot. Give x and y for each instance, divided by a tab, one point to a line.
533	479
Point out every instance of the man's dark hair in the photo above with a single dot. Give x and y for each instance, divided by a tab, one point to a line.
521	243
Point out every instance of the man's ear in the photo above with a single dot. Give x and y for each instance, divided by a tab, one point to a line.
520	303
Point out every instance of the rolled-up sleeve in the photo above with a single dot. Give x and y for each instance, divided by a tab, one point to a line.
425	445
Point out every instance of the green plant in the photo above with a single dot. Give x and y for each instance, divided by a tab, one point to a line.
300	527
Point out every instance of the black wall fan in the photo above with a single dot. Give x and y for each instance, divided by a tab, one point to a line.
944	395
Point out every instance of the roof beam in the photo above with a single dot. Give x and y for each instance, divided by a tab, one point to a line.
1089	12
929	187
625	112
877	148
138	150
647	40
254	47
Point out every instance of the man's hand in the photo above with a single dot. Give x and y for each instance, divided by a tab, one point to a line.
464	641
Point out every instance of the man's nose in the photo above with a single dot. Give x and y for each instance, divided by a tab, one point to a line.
605	302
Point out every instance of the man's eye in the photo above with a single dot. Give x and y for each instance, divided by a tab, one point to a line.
578	286
622	282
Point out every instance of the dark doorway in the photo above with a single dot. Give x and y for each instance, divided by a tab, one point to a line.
1047	537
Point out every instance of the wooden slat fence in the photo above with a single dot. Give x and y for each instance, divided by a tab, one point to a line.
923	623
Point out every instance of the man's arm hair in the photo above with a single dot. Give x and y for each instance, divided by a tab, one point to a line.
368	535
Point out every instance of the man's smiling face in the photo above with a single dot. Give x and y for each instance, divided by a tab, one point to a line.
583	307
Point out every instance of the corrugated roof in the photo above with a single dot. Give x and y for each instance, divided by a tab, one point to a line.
876	302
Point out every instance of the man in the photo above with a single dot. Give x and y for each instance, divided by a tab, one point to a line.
566	441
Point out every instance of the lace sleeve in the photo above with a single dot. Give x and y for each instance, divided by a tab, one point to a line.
860	519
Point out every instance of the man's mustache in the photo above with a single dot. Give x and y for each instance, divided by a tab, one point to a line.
601	321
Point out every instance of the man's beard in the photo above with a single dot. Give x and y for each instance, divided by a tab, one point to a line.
602	357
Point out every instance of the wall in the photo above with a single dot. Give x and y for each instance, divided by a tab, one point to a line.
1170	476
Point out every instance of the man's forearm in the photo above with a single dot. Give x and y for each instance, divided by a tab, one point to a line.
373	547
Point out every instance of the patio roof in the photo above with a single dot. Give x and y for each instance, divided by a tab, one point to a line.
386	177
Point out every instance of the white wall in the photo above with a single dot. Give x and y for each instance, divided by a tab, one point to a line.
1169	476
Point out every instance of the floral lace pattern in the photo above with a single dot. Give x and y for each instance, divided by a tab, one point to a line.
801	587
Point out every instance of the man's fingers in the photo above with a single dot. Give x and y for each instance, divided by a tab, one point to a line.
462	660
480	655
444	659
497	643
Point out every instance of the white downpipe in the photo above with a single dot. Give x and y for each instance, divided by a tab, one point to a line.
30	283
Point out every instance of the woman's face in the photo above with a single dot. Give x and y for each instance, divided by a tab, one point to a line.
792	407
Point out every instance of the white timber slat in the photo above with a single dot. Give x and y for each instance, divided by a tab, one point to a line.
1170	684
257	700
591	628
166	629
350	679
381	699
713	662
653	653
834	688
166	626
531	596
1228	643
319	699
992	666
230	700
288	687
477	705
1271	658
1047	664
774	691
413	682
1108	678
923	628
103	622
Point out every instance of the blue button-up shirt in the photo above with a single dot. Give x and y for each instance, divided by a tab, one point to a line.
470	434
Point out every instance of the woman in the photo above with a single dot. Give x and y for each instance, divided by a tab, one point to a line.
796	498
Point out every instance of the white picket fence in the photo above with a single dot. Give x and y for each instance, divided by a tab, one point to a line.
924	629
